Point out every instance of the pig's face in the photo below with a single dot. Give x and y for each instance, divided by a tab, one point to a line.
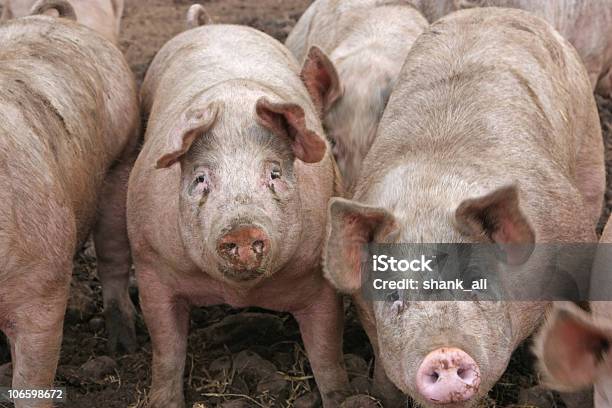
450	352
573	351
240	215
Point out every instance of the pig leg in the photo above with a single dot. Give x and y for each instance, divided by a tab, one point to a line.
113	256
36	337
322	325
384	389
167	318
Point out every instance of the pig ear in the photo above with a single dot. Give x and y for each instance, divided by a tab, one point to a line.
498	217
351	226
571	348
321	79
193	124
287	120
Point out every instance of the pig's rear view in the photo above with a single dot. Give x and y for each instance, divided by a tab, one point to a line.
62	125
104	16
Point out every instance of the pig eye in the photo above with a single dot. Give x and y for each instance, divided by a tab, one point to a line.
200	185
393	296
275	173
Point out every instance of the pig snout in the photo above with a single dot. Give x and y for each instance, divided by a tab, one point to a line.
244	248
448	375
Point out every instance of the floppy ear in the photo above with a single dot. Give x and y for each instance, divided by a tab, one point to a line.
287	120
498	217
321	79
351	226
194	123
571	348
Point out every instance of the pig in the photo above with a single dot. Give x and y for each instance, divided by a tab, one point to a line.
367	42
585	24
103	16
491	135
573	351
573	347
69	125
236	172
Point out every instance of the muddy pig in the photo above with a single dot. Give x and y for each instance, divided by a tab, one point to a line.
573	347
236	172
491	135
367	42
69	122
585	24
104	16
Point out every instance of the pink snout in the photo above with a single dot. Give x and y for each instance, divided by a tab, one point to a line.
448	375
244	247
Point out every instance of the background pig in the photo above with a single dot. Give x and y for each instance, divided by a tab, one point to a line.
104	16
491	135
585	24
236	174
69	124
573	347
367	42
573	351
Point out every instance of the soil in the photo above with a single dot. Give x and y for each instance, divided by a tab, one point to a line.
236	358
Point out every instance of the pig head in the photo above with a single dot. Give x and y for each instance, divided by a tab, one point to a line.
419	345
239	206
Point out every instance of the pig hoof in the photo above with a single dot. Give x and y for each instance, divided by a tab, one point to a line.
165	400
121	331
335	398
360	401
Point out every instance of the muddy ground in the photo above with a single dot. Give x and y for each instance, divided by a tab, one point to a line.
236	358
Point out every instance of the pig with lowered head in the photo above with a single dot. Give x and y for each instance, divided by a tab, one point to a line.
103	16
236	174
69	127
367	42
491	135
585	24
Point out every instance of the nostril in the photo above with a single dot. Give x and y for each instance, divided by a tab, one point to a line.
229	248
258	247
434	377
468	375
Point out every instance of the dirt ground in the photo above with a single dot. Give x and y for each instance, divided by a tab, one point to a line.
236	358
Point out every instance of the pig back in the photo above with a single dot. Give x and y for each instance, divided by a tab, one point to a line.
68	109
202	58
203	62
498	90
327	23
